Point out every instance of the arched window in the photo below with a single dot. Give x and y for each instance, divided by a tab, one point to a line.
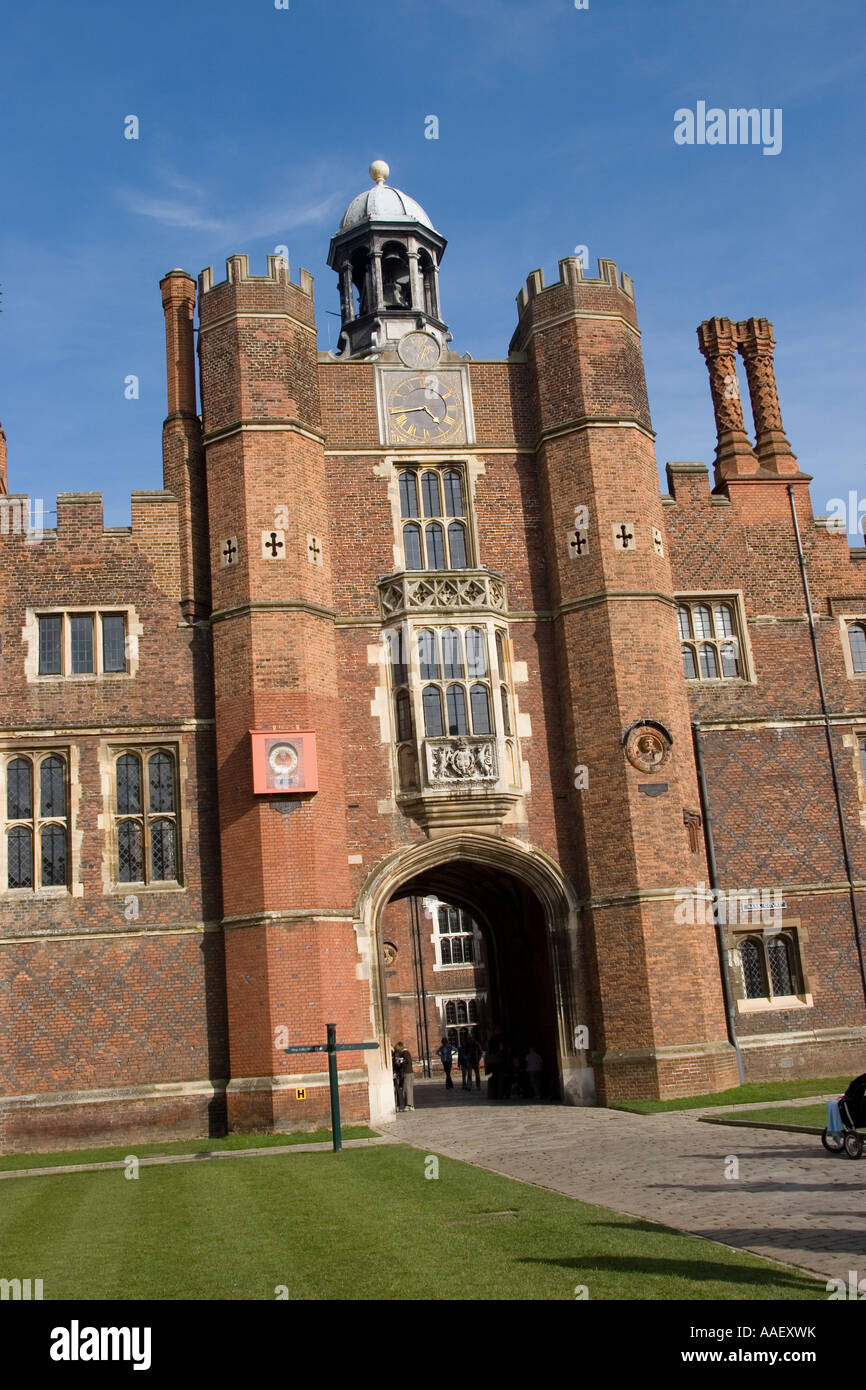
432	704
501	657
53	856
709	661
36	847
782	971
476	652
506	711
128	784
19	852
396	282
412	547
146	835
457	545
754	972
770	966
130	852
435	538
408	495
19	789
404	716
428	654
857	640
480	703
162	850
442	494
452	654
711	648
456	702
703	620
160	768
452	485
52	787
430	494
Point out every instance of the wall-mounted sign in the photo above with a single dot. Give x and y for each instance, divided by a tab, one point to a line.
284	762
300	1093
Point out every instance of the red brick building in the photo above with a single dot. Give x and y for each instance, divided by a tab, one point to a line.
407	625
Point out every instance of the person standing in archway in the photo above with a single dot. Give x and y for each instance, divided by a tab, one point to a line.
404	1057
445	1053
534	1067
474	1053
464	1060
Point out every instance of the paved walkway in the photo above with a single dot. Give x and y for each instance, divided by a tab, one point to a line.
792	1202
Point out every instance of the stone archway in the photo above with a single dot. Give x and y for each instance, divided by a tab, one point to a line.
546	954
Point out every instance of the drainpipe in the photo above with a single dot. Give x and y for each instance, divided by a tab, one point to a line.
846	852
712	868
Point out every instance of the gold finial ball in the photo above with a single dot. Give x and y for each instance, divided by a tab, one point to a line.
379	171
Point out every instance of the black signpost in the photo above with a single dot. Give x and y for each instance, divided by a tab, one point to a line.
332	1047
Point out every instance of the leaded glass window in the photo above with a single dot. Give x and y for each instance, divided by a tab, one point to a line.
114	642
770	966
781	972
146	832
52	783
434	546
19	789
754	975
711	648
50	633
36	831
19	850
81	643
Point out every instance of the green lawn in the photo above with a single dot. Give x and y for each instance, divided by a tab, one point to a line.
806	1116
179	1146
366	1224
742	1095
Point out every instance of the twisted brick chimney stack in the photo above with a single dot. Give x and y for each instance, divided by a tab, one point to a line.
720	340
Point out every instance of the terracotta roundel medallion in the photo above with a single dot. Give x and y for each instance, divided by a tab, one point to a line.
647	748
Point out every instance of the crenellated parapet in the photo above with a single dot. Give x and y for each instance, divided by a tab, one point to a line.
610	292
79	529
274	291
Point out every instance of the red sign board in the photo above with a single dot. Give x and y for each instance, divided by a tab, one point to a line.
284	762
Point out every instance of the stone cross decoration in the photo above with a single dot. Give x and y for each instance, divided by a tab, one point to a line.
272	543
623	537
578	542
314	551
229	552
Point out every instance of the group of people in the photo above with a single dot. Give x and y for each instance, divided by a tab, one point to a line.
511	1073
469	1053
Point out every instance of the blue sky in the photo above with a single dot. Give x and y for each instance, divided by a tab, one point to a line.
257	126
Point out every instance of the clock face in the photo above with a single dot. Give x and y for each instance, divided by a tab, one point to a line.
424	409
283	759
419	350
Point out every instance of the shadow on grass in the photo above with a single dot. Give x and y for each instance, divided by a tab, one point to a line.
695	1271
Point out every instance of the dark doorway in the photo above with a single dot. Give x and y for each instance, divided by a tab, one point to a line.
518	995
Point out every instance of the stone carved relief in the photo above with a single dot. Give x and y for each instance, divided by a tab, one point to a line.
461	760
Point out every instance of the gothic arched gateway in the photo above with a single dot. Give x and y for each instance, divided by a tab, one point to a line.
528	915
